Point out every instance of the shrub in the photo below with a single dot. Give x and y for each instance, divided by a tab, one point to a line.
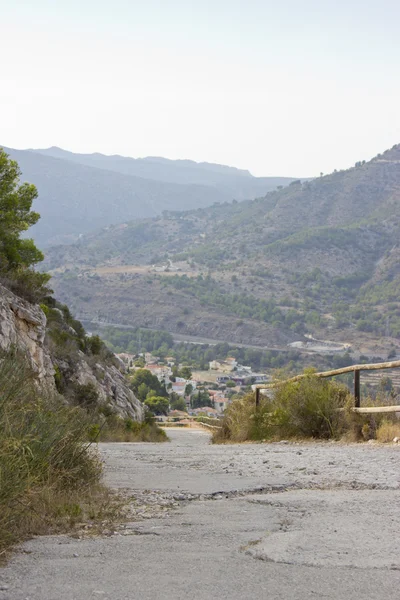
238	422
27	283
308	408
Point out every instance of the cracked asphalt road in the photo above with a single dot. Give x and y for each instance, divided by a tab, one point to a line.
276	521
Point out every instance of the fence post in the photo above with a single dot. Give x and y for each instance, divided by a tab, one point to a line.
357	388
257	398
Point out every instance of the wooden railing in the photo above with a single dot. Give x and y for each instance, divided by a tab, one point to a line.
357	395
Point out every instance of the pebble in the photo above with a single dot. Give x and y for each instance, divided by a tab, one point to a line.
3	587
75	555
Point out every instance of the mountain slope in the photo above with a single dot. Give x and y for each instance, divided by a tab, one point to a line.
74	198
317	257
80	193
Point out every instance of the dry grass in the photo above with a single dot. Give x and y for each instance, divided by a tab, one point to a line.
49	473
116	429
388	430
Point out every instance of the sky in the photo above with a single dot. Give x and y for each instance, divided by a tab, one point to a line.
282	88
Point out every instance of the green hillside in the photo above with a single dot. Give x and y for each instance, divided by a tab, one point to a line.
317	257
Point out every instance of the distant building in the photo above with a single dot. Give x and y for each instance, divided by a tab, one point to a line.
221	403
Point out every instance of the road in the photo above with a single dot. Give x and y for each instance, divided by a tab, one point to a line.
183	338
235	522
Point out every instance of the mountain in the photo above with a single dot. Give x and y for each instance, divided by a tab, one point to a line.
318	257
237	183
79	193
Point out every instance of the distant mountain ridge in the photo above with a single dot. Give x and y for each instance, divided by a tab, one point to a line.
79	193
145	167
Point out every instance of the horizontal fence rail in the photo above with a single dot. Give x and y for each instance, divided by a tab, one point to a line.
356	369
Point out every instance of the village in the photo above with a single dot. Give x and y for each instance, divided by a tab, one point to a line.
204	393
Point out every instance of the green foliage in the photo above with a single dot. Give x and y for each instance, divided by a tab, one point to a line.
157	405
307	408
18	256
185	373
143	382
94	344
86	395
201	398
178	403
209	292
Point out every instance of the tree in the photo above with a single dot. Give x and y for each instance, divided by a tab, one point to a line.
188	389
142	391
158	405
178	403
16	216
144	376
186	373
94	344
18	256
202	398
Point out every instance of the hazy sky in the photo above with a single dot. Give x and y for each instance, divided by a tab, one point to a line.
282	87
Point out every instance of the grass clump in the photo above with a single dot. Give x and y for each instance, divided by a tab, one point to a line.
388	430
49	475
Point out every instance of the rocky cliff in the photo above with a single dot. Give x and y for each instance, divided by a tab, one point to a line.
24	326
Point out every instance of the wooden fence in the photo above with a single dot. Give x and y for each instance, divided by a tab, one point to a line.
356	369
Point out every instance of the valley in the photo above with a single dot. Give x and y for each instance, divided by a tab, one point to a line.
316	258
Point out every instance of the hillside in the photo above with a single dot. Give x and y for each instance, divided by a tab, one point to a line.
79	193
316	257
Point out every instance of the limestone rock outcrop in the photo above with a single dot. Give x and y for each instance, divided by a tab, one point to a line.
23	326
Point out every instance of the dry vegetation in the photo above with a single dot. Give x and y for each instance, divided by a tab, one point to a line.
115	429
50	475
311	408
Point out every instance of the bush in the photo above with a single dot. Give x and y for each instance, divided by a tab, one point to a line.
86	395
238	422
27	283
308	408
46	464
